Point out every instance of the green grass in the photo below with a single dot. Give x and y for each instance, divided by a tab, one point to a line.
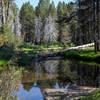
84	55
95	96
2	68
3	62
28	46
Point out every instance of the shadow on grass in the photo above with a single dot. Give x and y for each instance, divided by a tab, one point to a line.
84	55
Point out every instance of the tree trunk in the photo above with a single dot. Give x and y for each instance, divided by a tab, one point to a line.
8	9
98	15
95	32
3	12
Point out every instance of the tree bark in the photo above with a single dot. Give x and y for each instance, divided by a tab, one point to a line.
8	9
97	21
3	12
94	20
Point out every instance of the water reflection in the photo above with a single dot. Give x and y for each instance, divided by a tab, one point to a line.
9	80
59	74
33	94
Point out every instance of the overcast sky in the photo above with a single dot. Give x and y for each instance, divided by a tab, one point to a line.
35	2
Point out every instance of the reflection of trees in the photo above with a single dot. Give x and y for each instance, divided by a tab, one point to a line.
49	68
9	79
65	74
46	67
82	74
43	72
87	75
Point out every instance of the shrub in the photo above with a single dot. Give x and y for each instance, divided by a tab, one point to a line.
7	37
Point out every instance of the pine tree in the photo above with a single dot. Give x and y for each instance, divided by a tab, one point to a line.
27	15
63	27
60	11
42	8
52	10
89	14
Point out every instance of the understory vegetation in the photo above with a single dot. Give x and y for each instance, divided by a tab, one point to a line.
95	96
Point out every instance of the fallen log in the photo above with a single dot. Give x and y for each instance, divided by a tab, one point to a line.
53	54
61	94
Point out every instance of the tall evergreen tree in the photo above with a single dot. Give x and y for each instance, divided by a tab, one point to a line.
63	27
52	10
27	15
60	11
89	14
42	8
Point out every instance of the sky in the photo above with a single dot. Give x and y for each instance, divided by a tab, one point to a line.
35	2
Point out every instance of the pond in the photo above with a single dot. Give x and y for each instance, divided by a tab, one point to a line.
29	83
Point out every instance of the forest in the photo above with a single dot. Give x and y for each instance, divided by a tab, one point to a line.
73	23
48	49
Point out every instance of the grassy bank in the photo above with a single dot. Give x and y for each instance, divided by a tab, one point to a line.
26	57
29	46
84	55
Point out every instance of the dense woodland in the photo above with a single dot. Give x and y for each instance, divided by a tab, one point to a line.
37	41
73	23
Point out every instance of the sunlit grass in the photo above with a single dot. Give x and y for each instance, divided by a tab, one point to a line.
28	46
3	62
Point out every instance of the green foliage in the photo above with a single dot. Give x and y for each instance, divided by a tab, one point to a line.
24	59
71	54
5	55
27	15
95	96
9	39
60	11
85	55
65	20
52	10
42	8
15	10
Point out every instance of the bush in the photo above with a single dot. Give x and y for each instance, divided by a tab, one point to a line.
71	54
95	96
7	37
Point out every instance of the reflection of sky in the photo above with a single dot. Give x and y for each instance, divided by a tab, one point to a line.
33	94
58	87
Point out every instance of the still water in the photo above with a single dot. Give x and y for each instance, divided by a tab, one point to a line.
29	83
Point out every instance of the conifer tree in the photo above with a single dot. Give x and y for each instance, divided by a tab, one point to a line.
52	10
27	15
42	8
